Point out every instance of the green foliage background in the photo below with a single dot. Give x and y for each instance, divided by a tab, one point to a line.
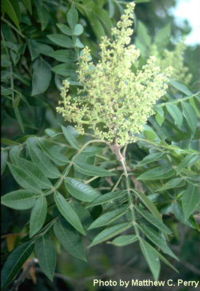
41	42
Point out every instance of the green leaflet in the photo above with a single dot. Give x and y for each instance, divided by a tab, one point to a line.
33	49
34	172
150	205
160	131
70	136
110	232
41	77
150	134
68	212
156	221
64	70
188	161
78	43
14	263
167	262
15	153
109	217
64	29
54	152
80	191
28	5
9	142
37	48
180	87
20	199
78	29
195	102
157	239
171	184
152	258
18	113
64	56
61	40
10	9
190	200
95	24
49	132
42	161
103	17
111	8
177	210
163	36
143	34
152	157
160	116
23	178
124	240
157	173
5	63
70	239
43	15
176	114
90	170
38	215
83	213
142	1
4	158
108	197
88	154
46	254
72	16
190	116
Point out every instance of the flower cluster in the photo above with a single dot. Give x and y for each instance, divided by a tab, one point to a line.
116	98
175	59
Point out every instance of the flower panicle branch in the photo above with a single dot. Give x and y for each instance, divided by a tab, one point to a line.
116	98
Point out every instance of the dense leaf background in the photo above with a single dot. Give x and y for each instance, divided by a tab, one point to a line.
54	178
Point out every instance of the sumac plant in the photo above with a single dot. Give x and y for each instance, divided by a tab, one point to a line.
128	166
